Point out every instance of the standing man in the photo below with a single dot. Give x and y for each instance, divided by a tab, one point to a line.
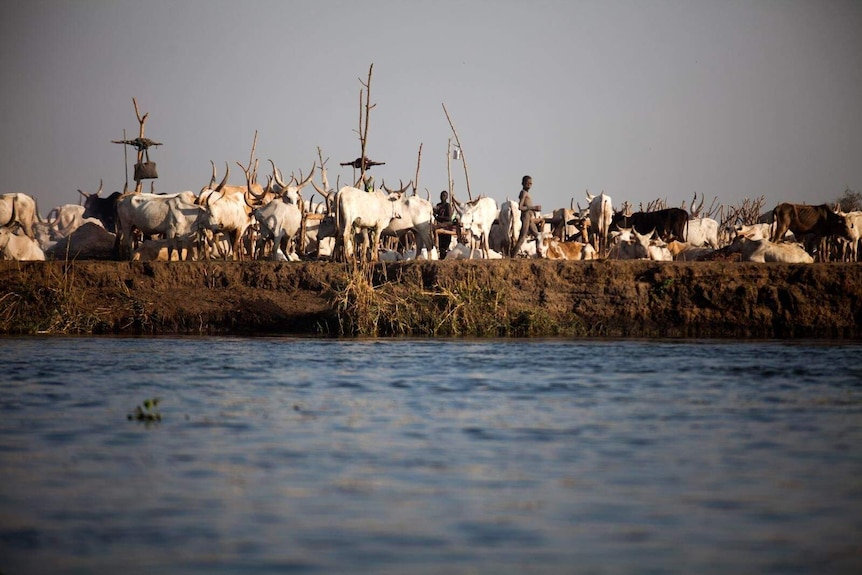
528	213
443	218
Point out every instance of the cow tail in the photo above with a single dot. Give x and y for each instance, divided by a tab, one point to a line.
339	239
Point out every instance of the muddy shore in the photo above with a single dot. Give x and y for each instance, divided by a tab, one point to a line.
518	298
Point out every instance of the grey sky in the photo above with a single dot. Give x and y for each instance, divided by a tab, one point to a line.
642	99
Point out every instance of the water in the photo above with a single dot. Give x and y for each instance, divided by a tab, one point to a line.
317	456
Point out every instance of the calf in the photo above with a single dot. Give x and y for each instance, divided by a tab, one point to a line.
553	249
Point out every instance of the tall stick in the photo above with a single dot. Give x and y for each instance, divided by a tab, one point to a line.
253	146
125	163
140	158
363	128
450	183
463	156
418	163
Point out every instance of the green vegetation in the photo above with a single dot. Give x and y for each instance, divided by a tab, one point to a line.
147	411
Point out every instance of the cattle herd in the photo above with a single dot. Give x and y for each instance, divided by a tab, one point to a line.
251	221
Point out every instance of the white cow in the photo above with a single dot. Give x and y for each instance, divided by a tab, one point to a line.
15	247
65	219
701	232
19	209
628	244
225	212
320	236
477	217
601	213
763	250
754	231
279	222
510	225
175	216
463	252
850	246
358	210
658	250
415	214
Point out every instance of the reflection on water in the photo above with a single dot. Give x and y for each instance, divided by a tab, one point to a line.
303	455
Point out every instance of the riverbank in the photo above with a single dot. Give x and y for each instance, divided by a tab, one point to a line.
502	298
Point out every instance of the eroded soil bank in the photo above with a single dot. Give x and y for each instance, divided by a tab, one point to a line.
519	297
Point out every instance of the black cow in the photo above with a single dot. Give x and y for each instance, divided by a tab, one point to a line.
814	223
668	224
103	209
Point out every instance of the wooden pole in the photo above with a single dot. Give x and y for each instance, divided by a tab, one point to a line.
140	157
363	127
418	163
253	147
125	163
463	156
450	183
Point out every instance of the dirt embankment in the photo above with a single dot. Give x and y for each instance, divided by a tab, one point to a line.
527	297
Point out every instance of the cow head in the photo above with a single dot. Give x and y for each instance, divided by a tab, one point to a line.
839	225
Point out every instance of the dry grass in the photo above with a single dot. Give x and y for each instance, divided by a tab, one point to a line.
55	307
462	307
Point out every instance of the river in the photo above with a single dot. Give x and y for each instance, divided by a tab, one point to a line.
290	455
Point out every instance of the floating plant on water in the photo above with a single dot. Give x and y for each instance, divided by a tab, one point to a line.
147	411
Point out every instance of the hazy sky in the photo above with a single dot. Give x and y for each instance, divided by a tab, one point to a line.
642	99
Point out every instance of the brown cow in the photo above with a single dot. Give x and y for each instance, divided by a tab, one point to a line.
817	222
553	249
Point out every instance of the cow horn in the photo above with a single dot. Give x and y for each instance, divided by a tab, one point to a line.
213	177
220	187
400	191
276	175
269	188
300	184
